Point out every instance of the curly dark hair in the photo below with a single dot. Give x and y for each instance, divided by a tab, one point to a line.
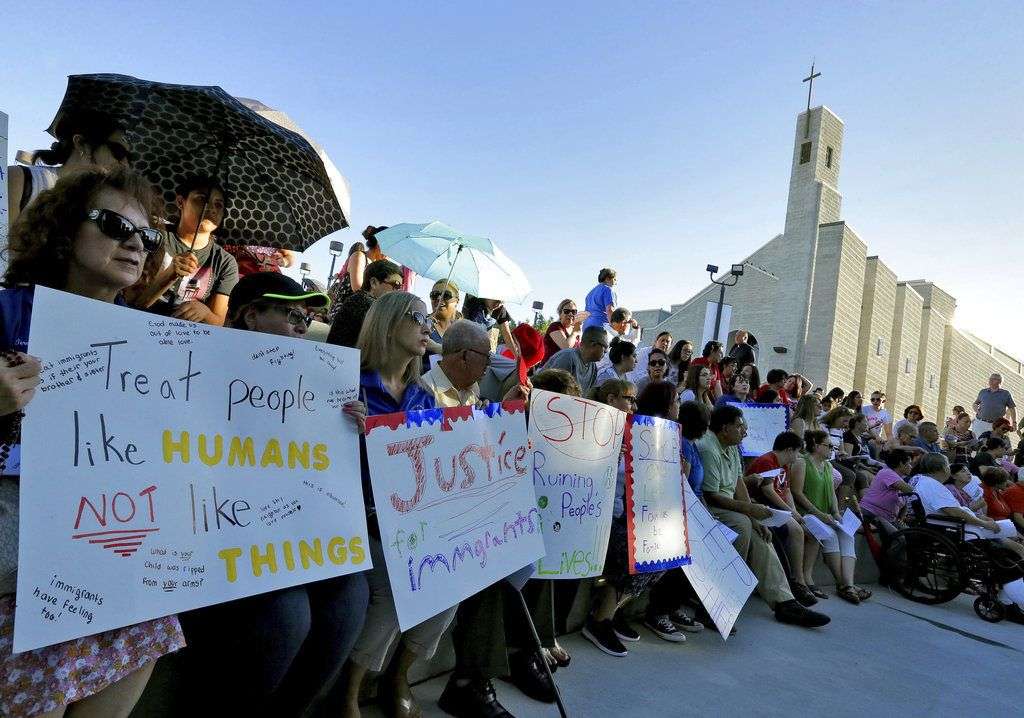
39	244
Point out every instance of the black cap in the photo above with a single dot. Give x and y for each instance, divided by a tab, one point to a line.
274	286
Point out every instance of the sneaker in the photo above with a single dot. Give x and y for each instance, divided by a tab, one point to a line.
684	623
623	630
803	594
527	673
475	699
664	628
603	635
793	613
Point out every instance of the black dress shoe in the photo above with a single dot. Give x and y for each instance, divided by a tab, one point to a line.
795	614
475	699
529	676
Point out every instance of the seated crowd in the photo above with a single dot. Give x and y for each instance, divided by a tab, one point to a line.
306	650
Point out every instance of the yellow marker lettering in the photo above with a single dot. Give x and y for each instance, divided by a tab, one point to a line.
272	455
258	560
218	450
336	550
321	461
355	545
171	447
314	553
241	451
289	558
230	556
298	454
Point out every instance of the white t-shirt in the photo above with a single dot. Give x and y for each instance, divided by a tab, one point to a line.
876	419
934	496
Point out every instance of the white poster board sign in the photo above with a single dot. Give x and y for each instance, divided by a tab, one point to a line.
722	579
168	465
709	324
455	502
655	513
575	445
764	423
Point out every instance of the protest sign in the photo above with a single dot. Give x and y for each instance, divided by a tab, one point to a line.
718	574
168	465
454	500
4	219
575	445
655	512
764	423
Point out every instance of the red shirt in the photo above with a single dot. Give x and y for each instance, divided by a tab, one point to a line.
770	462
783	396
549	344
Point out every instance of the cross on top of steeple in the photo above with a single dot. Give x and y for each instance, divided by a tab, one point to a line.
810	86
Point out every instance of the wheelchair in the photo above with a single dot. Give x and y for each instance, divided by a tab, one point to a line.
931	560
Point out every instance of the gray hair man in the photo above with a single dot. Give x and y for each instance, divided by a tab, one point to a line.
993	403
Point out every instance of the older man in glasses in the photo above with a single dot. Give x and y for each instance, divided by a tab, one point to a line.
379	278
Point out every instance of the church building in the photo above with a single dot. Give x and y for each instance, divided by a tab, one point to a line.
816	303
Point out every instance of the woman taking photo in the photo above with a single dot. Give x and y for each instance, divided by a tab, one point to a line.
565	331
89	236
622	355
391	344
815	496
679	361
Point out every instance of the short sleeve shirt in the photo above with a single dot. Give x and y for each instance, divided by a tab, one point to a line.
570	360
934	496
597	304
690	452
882	498
217	273
994	404
767	463
876	419
722	465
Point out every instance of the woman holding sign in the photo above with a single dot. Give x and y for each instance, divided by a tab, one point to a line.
392	343
89	235
815	495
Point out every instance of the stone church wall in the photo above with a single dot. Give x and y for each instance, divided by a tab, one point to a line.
875	335
905	340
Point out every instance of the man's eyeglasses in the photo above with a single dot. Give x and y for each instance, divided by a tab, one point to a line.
448	296
120	229
656	362
877	399
485	355
395	284
629	398
419	317
293	315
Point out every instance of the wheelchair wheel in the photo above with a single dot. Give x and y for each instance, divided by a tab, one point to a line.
989	609
925	566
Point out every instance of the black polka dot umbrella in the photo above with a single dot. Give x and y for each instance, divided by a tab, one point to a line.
280	193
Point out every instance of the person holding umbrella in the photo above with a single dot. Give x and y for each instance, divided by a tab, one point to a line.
196	275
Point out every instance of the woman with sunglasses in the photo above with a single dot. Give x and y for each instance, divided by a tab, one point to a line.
89	236
85	139
392	343
196	274
565	332
444	311
657	365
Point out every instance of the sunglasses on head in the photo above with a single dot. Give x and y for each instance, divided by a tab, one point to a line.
435	295
121	229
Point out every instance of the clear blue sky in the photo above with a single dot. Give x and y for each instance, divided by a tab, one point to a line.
651	137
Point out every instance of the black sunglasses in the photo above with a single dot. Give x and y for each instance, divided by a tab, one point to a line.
419	317
118	151
293	315
434	296
656	362
120	229
570	311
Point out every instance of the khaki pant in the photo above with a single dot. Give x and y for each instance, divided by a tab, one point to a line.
760	556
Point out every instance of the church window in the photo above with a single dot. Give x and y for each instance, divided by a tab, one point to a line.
931	381
906	366
828	157
878	347
805	153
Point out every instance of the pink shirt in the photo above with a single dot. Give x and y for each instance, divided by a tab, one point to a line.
882	498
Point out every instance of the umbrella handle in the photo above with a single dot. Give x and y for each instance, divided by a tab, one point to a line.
452	268
221	155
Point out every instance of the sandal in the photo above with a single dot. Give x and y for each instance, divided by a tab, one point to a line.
863	594
561	656
848	594
818	593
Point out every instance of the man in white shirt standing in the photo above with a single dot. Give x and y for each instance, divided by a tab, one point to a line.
879	420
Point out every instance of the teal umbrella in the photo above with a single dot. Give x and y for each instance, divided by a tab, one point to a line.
475	264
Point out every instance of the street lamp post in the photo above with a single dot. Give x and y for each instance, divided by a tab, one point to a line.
336	249
735	273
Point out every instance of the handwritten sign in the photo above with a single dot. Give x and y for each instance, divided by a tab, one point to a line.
722	579
655	512
454	500
575	446
764	423
168	465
